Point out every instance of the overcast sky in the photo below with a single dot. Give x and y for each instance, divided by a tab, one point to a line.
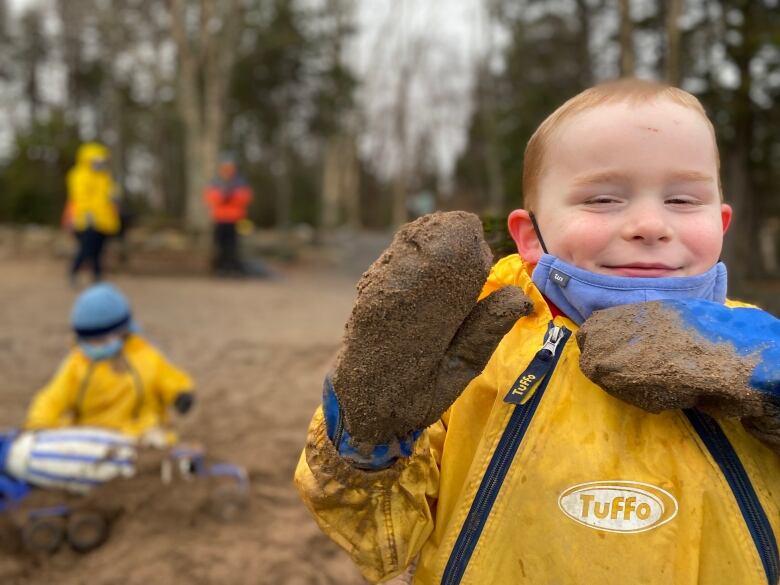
439	40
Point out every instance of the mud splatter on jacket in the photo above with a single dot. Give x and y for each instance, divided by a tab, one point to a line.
553	481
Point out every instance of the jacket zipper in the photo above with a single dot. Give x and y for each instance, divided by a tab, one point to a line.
498	467
537	370
723	453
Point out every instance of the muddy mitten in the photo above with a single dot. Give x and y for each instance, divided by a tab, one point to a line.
683	354
416	337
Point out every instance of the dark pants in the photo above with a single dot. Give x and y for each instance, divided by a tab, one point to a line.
90	249
226	260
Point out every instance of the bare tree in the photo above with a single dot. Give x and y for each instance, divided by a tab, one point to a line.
341	184
738	186
206	54
673	52
584	16
627	52
401	133
486	106
33	55
340	197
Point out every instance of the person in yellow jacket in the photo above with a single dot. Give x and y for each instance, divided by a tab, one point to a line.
113	378
535	474
91	211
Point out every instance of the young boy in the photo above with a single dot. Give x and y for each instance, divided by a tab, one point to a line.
557	481
113	378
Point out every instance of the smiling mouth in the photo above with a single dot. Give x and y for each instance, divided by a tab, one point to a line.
643	269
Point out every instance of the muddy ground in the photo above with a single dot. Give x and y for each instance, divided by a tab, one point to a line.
258	350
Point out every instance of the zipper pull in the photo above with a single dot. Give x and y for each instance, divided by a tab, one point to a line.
554	337
539	367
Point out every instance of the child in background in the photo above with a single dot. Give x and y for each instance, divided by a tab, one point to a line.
91	210
535	474
113	378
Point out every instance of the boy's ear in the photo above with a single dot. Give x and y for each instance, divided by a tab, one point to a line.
725	215
521	229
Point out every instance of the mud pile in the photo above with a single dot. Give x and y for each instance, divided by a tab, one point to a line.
177	500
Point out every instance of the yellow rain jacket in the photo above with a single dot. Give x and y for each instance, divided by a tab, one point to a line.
90	192
566	485
131	395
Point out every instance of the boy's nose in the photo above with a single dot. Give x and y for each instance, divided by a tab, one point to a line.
647	225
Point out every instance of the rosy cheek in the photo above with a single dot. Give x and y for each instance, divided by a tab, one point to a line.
705	242
580	241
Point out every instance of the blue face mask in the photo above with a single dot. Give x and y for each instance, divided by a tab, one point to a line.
102	351
578	293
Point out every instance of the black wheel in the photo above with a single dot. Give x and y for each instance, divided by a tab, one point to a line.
87	530
43	534
227	502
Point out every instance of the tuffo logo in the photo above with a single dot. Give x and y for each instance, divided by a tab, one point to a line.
618	506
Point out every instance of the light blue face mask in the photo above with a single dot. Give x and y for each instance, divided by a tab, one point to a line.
578	293
102	351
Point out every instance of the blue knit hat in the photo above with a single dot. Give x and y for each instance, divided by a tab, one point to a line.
99	310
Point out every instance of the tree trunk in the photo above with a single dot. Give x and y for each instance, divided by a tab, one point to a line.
330	205
340	184
201	98
284	190
400	189
486	106
586	63
495	175
351	183
740	242
627	54
673	50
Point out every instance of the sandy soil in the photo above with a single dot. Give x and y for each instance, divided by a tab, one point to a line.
258	350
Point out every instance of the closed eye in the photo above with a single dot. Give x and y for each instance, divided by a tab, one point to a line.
682	201
602	200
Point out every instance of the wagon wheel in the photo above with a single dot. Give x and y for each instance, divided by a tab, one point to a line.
227	502
87	530
43	534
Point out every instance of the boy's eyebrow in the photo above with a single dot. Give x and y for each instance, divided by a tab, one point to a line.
600	178
691	176
616	177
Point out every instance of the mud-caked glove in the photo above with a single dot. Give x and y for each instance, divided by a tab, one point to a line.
689	354
416	337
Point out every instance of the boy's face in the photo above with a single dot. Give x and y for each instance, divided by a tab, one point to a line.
629	191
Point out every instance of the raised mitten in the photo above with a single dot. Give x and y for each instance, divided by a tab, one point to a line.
417	335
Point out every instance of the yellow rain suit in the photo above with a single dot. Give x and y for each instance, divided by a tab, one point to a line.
131	395
571	487
90	192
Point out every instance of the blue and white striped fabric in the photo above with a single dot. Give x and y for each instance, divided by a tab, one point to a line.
74	458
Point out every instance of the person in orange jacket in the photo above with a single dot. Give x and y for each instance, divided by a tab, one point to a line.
228	197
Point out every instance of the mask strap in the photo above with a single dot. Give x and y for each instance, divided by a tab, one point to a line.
537	231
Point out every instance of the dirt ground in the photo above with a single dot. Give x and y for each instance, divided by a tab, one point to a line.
258	350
